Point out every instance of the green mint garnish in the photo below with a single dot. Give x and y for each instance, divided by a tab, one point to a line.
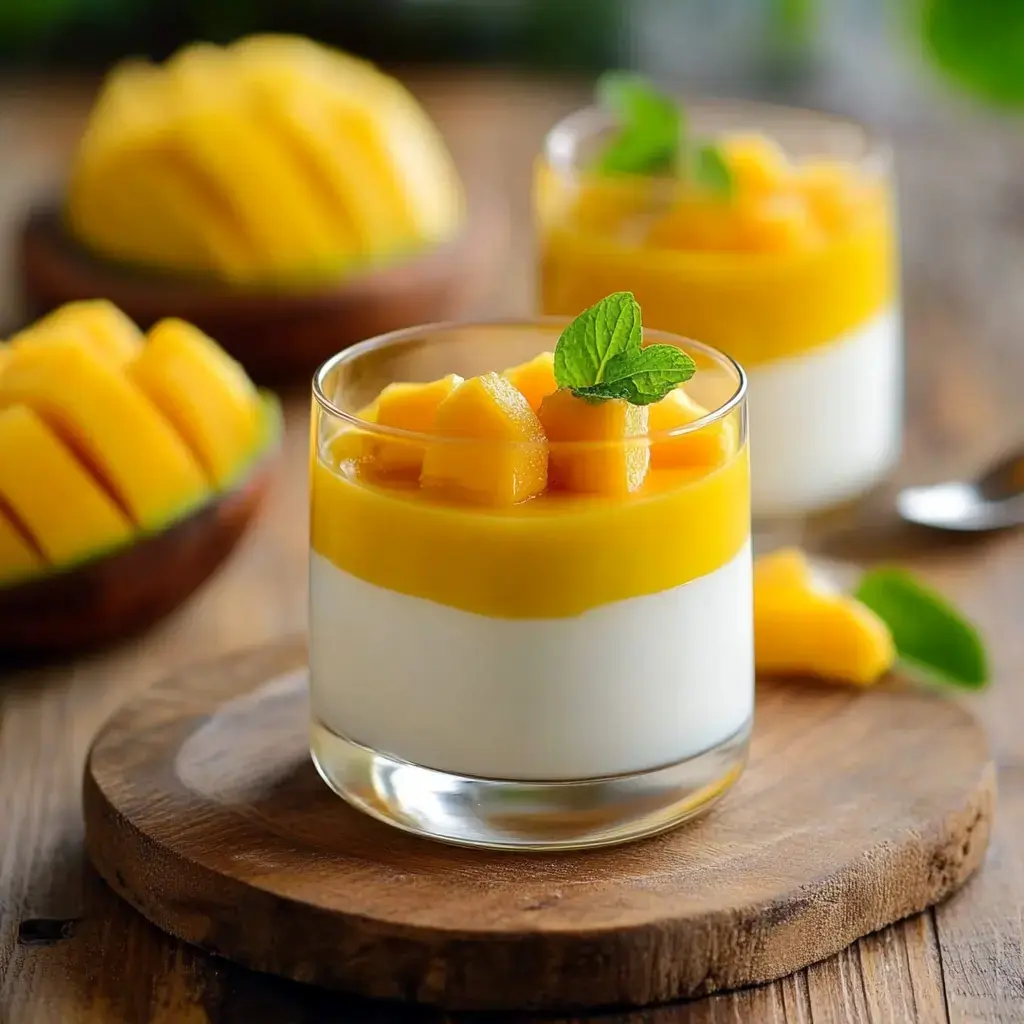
711	172
599	356
652	136
932	638
650	125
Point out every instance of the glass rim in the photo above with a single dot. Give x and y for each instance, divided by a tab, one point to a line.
558	149
381	341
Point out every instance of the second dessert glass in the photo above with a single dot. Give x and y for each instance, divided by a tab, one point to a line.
795	275
571	670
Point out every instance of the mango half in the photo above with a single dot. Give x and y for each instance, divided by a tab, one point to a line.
801	627
107	435
271	160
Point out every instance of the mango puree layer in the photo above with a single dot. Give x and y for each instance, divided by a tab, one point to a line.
554	556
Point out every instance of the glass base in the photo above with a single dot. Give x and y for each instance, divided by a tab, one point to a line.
509	815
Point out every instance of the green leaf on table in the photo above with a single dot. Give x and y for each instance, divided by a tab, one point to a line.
650	125
711	173
932	638
599	356
979	44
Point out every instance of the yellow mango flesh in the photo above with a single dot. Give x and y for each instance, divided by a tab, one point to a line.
607	462
94	322
800	628
411	407
758	164
111	425
205	395
62	507
709	446
273	158
18	559
535	379
507	466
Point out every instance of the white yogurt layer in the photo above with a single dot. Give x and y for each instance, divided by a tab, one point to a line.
622	688
826	425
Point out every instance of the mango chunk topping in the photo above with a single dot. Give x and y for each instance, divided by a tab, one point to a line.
60	505
535	379
613	458
204	393
411	407
510	463
802	628
709	446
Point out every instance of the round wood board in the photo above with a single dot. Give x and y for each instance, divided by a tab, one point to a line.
202	809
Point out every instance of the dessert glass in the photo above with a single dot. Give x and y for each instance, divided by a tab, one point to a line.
571	671
807	302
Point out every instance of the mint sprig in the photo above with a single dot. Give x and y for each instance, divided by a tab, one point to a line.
652	136
600	356
932	638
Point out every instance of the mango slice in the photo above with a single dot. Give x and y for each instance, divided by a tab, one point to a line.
204	393
802	628
535	379
95	322
59	503
710	446
411	407
111	425
18	559
614	465
509	465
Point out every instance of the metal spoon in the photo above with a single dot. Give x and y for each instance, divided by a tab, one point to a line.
994	501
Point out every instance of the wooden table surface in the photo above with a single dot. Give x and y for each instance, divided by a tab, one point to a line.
70	951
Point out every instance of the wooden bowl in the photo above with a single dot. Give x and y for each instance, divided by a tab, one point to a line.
279	337
115	596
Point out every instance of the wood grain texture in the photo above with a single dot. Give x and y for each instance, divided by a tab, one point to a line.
278	336
962	208
123	593
203	810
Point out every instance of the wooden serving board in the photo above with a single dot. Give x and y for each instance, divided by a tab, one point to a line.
203	810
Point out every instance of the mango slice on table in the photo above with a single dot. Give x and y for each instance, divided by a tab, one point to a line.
59	503
204	393
507	466
19	561
803	628
534	379
710	446
411	407
97	323
611	463
111	425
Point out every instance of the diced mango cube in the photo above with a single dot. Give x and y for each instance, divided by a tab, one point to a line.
710	446
758	164
614	456
411	407
95	322
696	225
777	224
111	425
833	193
204	393
535	379
802	628
18	559
61	505
499	456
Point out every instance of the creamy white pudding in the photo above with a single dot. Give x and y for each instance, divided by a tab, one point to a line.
626	687
827	423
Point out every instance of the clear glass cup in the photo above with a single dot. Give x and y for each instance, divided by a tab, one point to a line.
573	670
795	276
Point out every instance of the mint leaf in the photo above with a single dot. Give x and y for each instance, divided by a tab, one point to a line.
711	172
931	636
650	125
644	377
609	328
